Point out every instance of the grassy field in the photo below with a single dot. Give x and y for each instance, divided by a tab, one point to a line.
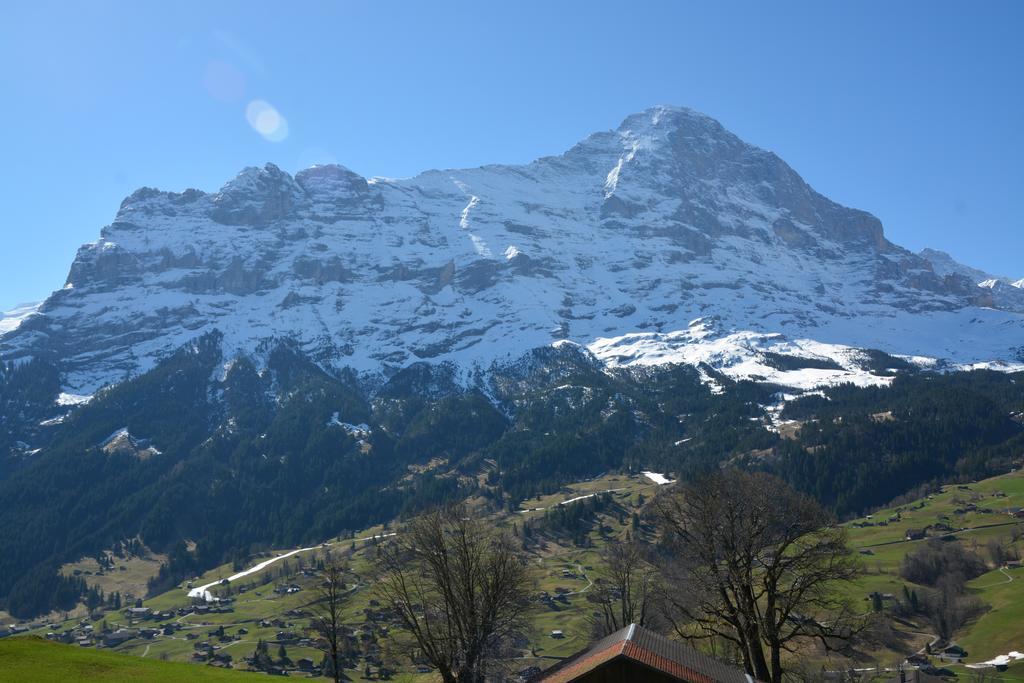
34	660
128	575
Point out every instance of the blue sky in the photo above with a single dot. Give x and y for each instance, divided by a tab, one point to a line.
910	110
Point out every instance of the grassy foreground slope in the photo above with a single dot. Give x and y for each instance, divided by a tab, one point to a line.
35	660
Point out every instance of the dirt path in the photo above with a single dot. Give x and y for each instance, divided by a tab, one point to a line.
589	585
952	533
1002	570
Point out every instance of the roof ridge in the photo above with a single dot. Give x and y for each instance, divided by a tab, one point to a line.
648	649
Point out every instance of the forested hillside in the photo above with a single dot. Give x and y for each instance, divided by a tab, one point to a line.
235	459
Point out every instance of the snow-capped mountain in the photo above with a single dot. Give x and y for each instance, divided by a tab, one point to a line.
616	245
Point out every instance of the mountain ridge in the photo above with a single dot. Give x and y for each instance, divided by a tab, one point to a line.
636	230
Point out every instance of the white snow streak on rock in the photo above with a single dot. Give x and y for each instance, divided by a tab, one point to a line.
66	399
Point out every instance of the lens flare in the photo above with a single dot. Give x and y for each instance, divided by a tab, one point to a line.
266	120
224	82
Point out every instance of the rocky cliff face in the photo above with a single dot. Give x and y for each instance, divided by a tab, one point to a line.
632	233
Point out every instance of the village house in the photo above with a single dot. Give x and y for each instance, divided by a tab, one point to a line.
954	652
918	659
119	636
138	613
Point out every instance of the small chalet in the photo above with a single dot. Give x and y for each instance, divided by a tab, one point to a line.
954	651
636	654
119	636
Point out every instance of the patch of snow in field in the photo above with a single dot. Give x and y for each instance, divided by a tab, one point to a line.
659	479
1000	660
572	500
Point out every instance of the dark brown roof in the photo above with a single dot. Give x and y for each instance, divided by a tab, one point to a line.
636	643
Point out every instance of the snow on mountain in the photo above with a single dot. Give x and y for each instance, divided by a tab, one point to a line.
12	319
741	356
943	264
615	245
1000	291
361	430
66	399
1003	294
122	441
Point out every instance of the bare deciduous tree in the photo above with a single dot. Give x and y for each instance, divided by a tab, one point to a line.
756	564
624	590
459	589
949	606
326	608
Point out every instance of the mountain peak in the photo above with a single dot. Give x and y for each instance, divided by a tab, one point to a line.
255	179
669	117
256	196
332	181
680	129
